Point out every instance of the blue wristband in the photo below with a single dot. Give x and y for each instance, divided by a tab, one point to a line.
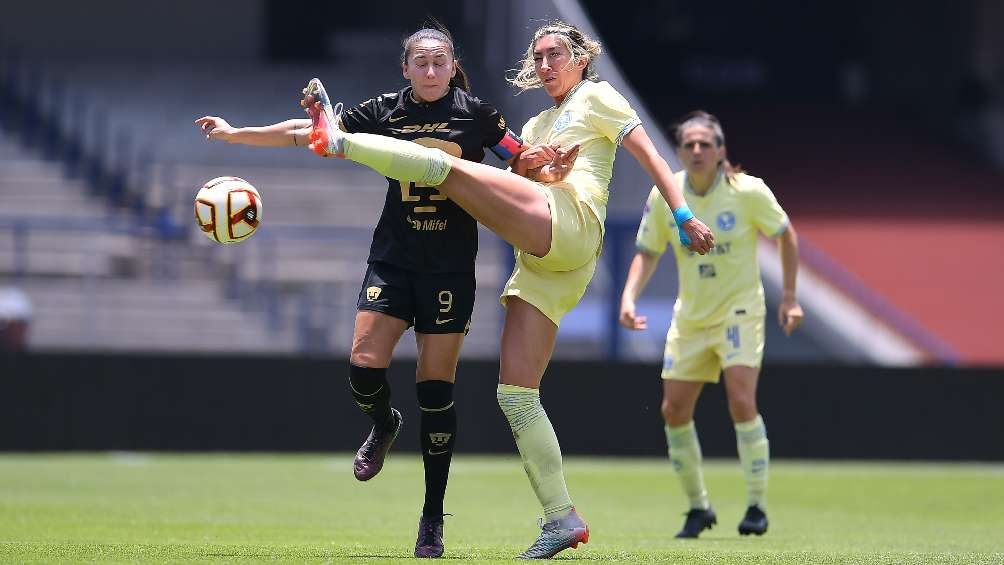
681	215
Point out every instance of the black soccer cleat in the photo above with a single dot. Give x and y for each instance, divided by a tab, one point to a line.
754	522
430	537
698	520
369	459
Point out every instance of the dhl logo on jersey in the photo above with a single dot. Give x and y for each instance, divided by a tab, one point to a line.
442	127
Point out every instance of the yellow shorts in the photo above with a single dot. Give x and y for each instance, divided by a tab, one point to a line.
700	354
555	283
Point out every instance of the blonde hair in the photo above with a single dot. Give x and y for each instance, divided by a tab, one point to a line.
580	45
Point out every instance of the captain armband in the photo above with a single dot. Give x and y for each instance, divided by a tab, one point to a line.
508	146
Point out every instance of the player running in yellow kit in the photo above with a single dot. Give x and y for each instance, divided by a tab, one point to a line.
718	319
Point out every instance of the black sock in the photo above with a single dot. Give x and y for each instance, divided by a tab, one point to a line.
438	431
371	391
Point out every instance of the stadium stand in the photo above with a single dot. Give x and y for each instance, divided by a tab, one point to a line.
91	274
91	261
910	223
298	277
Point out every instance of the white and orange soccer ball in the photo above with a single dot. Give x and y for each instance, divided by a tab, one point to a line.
228	209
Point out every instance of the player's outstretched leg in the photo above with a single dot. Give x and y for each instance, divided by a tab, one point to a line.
512	206
393	158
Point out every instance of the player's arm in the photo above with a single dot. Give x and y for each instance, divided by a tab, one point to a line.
498	138
693	233
789	314
288	133
642	267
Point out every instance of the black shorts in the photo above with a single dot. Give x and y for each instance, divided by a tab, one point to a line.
440	303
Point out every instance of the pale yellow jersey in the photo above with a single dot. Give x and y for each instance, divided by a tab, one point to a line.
597	117
725	282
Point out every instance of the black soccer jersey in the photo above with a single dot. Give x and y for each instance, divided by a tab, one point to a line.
420	229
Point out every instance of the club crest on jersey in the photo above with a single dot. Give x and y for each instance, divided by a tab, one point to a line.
439	439
562	122
726	220
442	127
372	293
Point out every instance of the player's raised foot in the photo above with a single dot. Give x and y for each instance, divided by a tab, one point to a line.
754	522
430	537
325	135
558	535
370	457
698	520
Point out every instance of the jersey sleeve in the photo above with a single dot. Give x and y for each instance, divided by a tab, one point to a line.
527	131
361	118
767	214
656	221
611	114
492	124
496	135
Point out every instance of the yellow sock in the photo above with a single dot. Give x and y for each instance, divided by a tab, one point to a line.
397	159
685	455
754	457
538	446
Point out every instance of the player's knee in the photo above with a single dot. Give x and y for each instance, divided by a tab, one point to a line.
674	413
434	395
742	407
367	352
363	358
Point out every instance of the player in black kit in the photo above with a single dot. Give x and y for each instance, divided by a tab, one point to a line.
421	262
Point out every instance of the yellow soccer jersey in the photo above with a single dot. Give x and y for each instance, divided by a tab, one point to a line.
597	117
725	282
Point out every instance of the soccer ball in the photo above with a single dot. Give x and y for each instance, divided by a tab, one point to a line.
228	209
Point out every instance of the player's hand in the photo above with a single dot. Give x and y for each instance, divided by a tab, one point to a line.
701	237
789	315
538	155
630	319
532	157
215	127
559	167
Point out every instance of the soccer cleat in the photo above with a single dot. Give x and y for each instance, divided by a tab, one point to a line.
558	535
369	459
325	135
430	537
754	522
698	520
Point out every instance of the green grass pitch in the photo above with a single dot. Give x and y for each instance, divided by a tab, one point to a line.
140	508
